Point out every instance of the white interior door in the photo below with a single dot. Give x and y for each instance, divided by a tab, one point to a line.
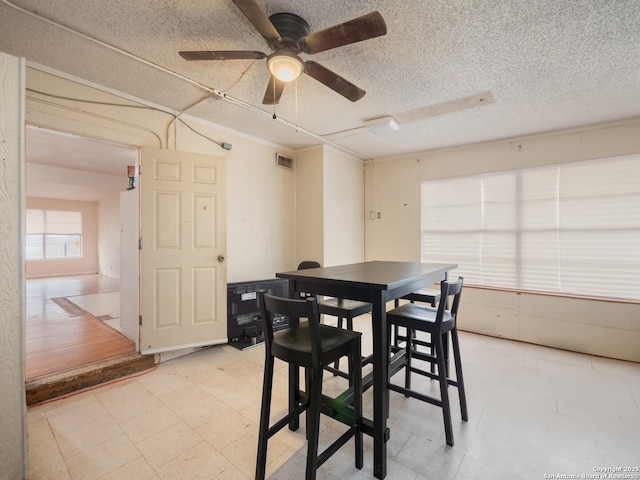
183	273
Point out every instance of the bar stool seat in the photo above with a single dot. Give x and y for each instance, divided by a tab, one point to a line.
312	346
424	295
344	309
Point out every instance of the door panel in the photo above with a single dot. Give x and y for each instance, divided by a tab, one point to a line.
183	282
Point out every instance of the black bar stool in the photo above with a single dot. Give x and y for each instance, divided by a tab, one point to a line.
438	322
312	346
343	309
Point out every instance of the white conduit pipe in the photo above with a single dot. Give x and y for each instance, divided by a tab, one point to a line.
224	96
248	106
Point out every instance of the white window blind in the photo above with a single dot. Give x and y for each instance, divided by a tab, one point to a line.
53	234
63	222
35	221
572	228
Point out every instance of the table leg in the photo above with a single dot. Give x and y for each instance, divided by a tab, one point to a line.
294	376
380	379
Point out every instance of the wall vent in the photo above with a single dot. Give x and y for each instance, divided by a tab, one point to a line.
284	162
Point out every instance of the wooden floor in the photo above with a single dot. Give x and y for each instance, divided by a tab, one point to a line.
61	339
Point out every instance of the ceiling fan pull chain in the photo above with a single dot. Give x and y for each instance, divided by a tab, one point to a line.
275	103
296	105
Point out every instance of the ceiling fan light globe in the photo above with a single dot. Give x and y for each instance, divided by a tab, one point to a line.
285	67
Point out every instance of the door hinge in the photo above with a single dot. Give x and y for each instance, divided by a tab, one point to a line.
140	319
140	243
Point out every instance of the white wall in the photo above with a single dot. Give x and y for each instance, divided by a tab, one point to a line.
109	235
70	184
13	425
609	329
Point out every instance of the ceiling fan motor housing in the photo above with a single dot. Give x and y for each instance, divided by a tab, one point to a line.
291	28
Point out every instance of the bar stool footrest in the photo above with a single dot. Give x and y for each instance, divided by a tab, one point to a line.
280	424
337	371
411	393
335	446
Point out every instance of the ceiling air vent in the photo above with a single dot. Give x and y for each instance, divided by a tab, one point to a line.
284	162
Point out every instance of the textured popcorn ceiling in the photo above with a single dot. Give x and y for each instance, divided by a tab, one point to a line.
450	72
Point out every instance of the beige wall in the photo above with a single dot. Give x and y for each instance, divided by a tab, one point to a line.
329	206
75	266
260	208
309	205
393	188
343	213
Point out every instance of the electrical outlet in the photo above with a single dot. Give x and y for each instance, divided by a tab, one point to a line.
379	215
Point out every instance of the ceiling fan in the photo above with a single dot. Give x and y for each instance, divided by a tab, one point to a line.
288	35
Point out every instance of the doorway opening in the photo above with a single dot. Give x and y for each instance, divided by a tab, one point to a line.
73	325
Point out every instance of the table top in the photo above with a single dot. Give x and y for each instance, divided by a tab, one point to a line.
380	275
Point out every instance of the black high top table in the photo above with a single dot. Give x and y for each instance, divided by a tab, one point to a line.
375	282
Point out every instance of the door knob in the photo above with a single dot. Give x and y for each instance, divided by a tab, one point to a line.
221	258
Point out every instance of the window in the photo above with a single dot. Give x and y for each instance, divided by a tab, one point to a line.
53	234
571	228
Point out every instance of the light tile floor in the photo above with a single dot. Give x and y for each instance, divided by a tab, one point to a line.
534	413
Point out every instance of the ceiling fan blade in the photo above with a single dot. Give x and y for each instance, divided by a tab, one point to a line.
334	81
257	17
222	55
367	26
274	91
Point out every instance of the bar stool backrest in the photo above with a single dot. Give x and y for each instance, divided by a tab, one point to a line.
449	289
294	309
306	264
